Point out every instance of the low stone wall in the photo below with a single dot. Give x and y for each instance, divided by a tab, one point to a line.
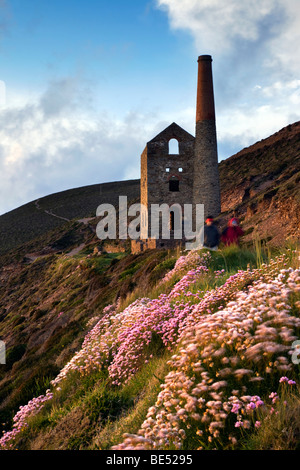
107	248
138	246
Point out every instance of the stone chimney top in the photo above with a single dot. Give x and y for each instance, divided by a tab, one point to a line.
204	57
205	109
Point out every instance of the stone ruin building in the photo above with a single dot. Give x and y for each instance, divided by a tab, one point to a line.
186	173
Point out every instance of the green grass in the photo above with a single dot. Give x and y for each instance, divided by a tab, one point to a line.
233	258
109	411
144	387
280	429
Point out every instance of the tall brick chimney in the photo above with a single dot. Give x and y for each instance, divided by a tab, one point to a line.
206	184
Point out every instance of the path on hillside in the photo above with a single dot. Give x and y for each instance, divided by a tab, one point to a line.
49	212
84	221
32	257
75	251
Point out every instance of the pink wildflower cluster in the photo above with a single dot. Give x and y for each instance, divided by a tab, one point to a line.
103	341
183	286
238	347
286	380
122	338
219	272
20	419
186	263
119	340
217	338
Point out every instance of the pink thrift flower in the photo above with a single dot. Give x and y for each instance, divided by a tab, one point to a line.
239	424
274	397
259	403
283	380
251	406
235	408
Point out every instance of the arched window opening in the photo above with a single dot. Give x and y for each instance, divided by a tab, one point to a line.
173	147
175	222
172	220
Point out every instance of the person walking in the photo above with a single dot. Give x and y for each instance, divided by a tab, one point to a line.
232	233
211	235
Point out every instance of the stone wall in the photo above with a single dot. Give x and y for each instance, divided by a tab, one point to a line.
159	167
114	248
206	173
138	246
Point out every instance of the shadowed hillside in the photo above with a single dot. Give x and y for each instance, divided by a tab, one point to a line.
40	217
261	186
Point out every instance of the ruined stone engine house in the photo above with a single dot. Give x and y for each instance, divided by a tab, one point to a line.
178	168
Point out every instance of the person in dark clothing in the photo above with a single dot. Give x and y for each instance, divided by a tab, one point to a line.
232	233
211	235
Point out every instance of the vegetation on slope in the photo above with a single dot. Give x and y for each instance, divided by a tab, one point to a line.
45	307
202	359
276	158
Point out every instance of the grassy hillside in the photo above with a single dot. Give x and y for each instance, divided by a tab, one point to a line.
193	354
276	158
45	307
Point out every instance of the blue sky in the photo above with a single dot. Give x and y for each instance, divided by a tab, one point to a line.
86	83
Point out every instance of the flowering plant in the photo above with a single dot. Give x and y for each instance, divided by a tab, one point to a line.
225	341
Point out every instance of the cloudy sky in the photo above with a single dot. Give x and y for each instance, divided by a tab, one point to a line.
84	84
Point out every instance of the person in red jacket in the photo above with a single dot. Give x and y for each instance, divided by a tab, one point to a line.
232	233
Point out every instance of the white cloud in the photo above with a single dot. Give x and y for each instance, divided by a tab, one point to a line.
280	88
283	47
242	30
256	65
57	140
234	126
52	144
217	24
47	147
